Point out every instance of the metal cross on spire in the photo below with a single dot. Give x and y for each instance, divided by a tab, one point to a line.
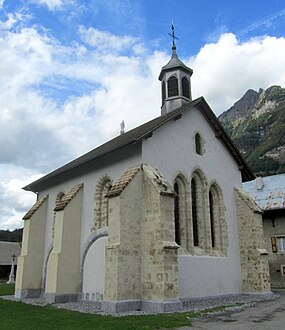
173	36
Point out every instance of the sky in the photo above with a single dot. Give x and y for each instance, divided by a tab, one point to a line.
72	70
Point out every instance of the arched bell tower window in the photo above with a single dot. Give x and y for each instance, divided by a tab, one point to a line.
172	85
163	91
185	87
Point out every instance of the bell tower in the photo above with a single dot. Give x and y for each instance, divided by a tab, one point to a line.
175	81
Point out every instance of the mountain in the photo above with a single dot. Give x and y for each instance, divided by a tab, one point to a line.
256	123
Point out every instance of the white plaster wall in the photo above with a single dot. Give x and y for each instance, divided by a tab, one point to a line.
94	270
171	149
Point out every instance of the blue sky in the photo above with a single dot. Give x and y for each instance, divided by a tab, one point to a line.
70	72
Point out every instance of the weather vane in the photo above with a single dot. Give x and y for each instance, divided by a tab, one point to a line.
173	35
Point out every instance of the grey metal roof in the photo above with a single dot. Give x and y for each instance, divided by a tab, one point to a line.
173	64
271	192
7	249
137	134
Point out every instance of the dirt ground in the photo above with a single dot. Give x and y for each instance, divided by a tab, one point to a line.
263	315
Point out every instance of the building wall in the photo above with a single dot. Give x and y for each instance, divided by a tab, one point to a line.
171	149
113	166
274	225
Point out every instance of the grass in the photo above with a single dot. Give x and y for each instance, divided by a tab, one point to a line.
6	289
17	315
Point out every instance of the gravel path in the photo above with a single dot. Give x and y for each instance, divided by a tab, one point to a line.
196	304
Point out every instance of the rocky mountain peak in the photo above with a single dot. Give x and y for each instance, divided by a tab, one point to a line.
256	123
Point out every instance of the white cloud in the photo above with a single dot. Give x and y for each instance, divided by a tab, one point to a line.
225	70
14	202
53	4
1	3
105	41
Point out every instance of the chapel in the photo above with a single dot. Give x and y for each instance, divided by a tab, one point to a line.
149	219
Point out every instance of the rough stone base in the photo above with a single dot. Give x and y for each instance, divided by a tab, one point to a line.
60	298
113	307
161	306
28	293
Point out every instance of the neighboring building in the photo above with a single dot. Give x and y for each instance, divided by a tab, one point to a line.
149	219
7	250
269	194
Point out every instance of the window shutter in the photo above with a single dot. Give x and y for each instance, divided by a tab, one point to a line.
273	244
172	86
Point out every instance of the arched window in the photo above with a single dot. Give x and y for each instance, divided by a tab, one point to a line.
101	203
180	211
218	225
163	91
194	197
198	144
185	87
212	218
177	215
172	85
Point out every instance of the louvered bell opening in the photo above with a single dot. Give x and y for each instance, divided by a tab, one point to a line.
185	87
172	85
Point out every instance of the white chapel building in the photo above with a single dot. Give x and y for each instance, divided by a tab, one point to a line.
149	219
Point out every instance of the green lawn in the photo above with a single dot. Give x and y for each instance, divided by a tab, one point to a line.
16	315
6	289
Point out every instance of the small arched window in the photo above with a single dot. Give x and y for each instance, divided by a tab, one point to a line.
185	87
194	196
198	144
163	91
172	85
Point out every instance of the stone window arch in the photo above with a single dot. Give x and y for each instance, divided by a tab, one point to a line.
57	200
218	225
163	92
101	203
185	87
198	230
172	86
180	211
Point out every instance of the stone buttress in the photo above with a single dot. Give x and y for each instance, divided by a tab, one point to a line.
63	270
29	279
254	258
141	264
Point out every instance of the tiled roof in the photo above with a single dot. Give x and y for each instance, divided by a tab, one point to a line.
268	192
123	181
66	198
7	249
137	134
34	208
153	174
